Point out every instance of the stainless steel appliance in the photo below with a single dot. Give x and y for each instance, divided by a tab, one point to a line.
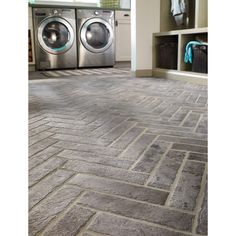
96	44
55	38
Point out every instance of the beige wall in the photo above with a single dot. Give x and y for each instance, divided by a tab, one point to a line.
145	21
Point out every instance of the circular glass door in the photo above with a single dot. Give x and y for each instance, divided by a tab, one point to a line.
96	35
55	35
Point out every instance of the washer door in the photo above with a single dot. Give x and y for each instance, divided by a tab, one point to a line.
55	35
96	35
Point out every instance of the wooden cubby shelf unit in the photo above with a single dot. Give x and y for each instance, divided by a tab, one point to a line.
182	37
195	27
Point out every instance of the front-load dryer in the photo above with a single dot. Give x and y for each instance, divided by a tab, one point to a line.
55	38
96	42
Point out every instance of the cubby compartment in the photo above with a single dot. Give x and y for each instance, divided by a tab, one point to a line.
184	40
167	20
166	52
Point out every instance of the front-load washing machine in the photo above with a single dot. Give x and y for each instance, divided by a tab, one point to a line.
96	43
55	38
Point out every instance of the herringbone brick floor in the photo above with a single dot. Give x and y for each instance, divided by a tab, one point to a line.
115	155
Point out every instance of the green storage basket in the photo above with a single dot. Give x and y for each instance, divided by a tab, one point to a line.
110	3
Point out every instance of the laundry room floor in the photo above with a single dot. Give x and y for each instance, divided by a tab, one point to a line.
110	154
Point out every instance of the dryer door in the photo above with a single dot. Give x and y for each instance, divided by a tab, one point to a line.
96	35
55	35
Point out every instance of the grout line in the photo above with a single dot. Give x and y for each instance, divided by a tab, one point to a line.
177	178
142	154
197	99
93	233
154	171
199	200
185	118
138	137
205	162
153	109
83	229
123	134
199	120
174	113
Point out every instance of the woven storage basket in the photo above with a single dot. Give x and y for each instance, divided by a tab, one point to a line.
200	63
110	3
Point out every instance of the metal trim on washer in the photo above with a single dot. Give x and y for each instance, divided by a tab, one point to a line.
67	46
83	35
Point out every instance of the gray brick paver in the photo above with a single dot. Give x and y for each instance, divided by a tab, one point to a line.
71	222
151	157
188	187
41	170
136	148
202	227
106	171
127	138
42	156
136	210
47	185
117	226
118	188
166	173
95	158
50	208
188	147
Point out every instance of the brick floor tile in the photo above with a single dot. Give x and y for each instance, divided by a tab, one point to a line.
151	157
41	216
71	222
119	188
47	185
106	171
192	148
43	156
117	226
127	138
136	210
197	156
40	146
95	158
202	227
41	170
188	187
136	148
166	173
